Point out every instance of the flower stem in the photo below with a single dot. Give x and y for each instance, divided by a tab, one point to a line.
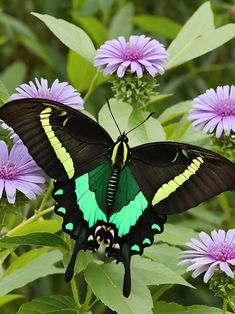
92	86
75	293
225	304
46	196
28	221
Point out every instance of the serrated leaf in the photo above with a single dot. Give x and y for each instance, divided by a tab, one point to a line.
51	226
9	298
38	268
77	64
176	235
37	238
158	25
106	282
121	24
162	307
70	35
53	304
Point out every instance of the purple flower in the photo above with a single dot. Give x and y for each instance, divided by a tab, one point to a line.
211	253
18	171
138	53
61	92
215	110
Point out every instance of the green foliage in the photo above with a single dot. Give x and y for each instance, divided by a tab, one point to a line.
70	35
53	304
31	251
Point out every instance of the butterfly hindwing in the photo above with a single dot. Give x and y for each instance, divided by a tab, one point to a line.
63	141
175	177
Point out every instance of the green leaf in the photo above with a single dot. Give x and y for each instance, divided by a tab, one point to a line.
175	111
53	304
121	112
106	283
158	25
127	118
176	235
13	76
39	238
151	131
24	259
207	42
9	298
4	94
199	23
155	273
91	23
121	24
51	226
166	255
162	307
37	268
70	35
77	64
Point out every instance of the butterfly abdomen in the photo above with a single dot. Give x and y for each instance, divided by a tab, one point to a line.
112	187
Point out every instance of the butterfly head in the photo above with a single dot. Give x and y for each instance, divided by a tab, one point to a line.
123	138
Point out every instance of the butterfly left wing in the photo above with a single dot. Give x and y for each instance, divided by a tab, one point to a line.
175	176
64	142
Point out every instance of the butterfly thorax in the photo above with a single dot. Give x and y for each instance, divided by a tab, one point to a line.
119	158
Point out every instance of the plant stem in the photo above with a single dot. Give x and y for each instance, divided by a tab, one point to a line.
75	293
92	86
225	303
31	219
46	196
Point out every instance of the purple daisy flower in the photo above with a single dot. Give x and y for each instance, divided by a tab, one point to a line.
215	110
211	253
62	92
138	53
18	171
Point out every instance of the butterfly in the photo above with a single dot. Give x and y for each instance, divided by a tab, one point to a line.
106	191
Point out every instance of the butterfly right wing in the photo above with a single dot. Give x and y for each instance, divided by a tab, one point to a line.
64	142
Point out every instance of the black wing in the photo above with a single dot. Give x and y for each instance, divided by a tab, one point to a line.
175	177
64	142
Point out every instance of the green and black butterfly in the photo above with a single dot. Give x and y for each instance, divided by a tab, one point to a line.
106	191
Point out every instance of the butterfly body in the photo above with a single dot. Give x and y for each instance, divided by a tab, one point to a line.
107	191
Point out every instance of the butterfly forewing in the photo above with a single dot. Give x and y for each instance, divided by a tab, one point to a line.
175	177
63	141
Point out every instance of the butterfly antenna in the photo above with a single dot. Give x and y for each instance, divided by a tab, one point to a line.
141	123
113	116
